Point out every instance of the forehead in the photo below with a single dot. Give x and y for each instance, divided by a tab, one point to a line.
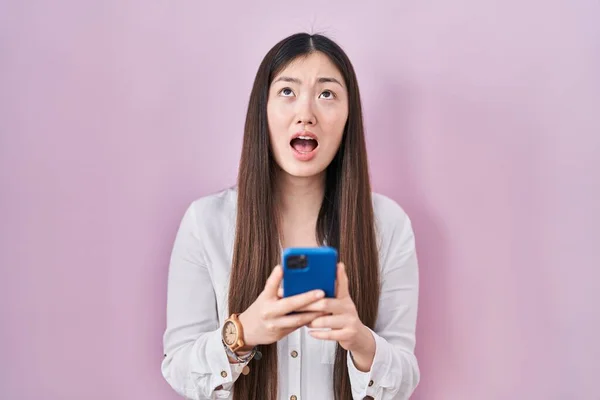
310	67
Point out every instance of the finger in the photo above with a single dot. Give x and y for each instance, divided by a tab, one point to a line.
297	302
336	334
327	306
341	289
273	282
296	320
280	292
330	321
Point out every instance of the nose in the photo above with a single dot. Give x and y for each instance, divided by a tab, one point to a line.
305	114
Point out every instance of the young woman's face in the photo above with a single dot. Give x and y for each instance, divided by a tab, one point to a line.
307	111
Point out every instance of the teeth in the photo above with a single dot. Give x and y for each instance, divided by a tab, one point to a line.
305	138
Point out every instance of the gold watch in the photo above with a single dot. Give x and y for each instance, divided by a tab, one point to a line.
233	334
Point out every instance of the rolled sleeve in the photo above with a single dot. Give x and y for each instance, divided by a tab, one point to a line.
202	370
371	383
394	373
195	363
211	368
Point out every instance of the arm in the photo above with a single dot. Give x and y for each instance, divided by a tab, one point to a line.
394	373
195	363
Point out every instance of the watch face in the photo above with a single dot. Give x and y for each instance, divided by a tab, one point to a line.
229	333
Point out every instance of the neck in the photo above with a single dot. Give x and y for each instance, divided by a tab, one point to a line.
300	199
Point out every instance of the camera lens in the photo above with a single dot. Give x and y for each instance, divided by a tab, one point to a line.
297	261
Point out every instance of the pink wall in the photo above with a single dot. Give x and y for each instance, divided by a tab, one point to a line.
483	121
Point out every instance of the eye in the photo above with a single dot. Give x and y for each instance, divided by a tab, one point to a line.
327	94
286	92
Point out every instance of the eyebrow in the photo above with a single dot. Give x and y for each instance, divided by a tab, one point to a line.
326	79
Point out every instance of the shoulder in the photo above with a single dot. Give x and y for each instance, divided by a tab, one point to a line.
388	213
393	226
213	209
215	203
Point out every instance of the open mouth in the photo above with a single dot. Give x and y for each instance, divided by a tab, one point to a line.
304	144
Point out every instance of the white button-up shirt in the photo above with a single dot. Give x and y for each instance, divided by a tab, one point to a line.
195	363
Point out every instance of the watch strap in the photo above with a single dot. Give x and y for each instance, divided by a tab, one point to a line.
241	359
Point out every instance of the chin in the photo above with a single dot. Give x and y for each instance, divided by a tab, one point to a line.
303	171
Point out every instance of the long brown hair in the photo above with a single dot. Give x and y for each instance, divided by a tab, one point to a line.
345	218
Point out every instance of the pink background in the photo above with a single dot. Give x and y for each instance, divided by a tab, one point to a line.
483	122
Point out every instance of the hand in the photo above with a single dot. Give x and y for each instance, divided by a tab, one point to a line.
266	320
343	320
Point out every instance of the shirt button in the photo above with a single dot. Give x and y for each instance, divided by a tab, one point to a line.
224	374
294	354
293	397
371	383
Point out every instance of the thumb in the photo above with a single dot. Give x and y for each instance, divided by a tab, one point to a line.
273	282
342	282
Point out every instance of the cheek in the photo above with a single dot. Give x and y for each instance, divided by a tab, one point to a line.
278	120
334	122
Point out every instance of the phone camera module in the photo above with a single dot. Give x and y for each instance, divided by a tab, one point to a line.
297	261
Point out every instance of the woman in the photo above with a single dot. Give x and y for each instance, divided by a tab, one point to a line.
303	181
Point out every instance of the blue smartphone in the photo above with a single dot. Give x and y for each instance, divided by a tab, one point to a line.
309	268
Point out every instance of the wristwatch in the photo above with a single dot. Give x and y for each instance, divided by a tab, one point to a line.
232	336
233	333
